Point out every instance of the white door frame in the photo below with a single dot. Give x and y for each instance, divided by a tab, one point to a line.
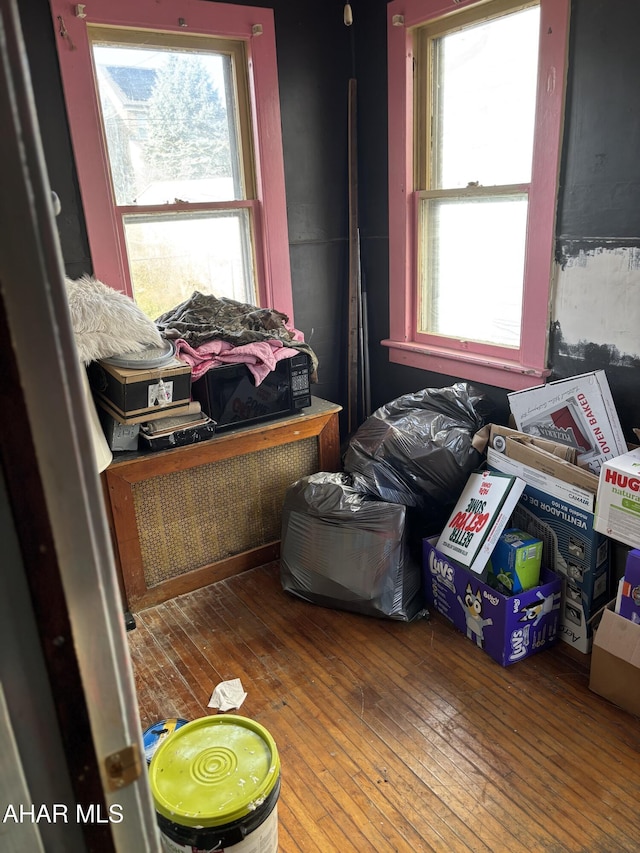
34	295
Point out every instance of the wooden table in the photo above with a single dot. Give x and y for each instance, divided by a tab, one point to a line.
186	517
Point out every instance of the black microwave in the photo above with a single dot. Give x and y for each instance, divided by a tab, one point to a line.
229	396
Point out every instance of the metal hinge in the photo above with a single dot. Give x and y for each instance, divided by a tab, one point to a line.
123	767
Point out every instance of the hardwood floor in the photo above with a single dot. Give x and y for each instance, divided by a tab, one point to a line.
396	736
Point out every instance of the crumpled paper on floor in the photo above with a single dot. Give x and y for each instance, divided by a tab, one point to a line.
228	695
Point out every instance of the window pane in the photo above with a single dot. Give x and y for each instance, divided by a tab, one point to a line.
474	258
171	255
170	124
484	91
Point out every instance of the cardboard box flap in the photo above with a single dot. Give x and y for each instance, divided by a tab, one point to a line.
499	434
481	438
619	637
548	457
551	464
554	486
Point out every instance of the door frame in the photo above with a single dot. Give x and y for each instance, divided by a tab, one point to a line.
54	488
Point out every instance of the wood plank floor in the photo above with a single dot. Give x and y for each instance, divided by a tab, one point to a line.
395	736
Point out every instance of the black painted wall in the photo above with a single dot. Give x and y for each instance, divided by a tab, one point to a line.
599	199
600	192
599	196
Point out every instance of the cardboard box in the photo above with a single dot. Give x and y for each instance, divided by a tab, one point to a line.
578	411
507	628
618	499
135	395
548	459
516	561
562	516
615	661
498	436
478	519
629	607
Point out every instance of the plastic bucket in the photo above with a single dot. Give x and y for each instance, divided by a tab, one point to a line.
153	736
215	784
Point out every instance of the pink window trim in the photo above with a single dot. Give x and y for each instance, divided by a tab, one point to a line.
498	366
104	224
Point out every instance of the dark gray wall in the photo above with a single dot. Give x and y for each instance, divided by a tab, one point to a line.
599	199
388	380
600	183
313	66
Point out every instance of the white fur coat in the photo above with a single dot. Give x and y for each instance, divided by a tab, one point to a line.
106	322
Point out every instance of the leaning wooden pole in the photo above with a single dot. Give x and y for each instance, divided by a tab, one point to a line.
355	294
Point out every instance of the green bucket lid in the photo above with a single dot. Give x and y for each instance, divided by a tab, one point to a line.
213	771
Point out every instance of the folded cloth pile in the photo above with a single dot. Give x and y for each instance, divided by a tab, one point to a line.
204	317
260	357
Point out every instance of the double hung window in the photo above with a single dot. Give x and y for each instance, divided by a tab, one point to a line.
476	92
175	124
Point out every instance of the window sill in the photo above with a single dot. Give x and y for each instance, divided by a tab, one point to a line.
510	375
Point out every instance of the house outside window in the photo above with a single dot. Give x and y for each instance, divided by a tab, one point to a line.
175	123
476	96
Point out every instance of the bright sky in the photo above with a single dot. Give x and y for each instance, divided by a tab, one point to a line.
152	58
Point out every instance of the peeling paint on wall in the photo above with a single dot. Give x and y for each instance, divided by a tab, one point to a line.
572	252
593	355
597	301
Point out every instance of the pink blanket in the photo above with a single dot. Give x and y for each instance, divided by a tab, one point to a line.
260	357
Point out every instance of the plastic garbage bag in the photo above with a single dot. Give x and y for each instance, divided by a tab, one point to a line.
419	449
344	550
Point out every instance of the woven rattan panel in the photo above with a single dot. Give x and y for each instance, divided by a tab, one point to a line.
199	516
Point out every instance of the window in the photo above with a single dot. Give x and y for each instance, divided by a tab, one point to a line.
175	124
476	93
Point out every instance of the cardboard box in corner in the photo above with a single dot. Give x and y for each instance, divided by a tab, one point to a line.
618	500
560	513
615	661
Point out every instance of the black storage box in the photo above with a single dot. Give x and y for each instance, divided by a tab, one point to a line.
133	395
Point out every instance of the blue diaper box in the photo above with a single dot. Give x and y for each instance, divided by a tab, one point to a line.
508	628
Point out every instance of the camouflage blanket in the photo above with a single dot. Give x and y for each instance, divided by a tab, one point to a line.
204	317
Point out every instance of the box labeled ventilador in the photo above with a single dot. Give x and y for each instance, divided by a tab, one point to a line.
618	499
507	628
562	516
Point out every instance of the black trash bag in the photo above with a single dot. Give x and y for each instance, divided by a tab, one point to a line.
343	550
418	450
